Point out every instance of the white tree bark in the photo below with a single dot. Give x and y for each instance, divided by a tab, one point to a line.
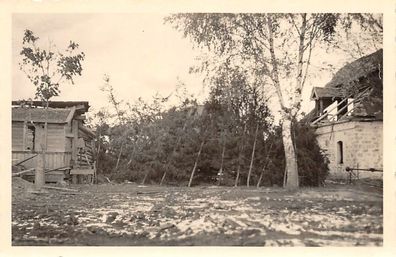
252	158
196	163
240	156
291	169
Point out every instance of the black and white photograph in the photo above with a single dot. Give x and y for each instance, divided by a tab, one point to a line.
182	128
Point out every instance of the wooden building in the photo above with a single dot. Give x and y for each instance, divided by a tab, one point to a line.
69	143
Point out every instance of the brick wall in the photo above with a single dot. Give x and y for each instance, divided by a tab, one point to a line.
362	146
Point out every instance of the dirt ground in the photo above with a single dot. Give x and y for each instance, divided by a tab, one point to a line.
133	215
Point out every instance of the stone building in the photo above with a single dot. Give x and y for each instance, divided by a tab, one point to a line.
348	118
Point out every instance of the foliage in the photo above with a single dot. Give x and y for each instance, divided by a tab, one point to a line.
251	58
48	68
153	140
276	47
312	161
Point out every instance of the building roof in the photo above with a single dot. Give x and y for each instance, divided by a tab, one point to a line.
56	104
345	80
50	115
350	80
323	92
357	69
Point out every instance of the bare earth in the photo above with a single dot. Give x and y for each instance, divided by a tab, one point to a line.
128	214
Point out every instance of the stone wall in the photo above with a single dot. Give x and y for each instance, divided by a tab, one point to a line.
361	143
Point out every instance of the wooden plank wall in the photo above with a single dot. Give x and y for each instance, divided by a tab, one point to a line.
53	159
69	138
56	138
17	136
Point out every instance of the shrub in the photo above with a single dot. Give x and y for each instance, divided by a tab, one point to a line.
311	160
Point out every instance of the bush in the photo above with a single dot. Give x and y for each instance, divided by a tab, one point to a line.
311	160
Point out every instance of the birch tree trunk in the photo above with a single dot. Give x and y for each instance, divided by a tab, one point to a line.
237	176
260	178
222	162
240	157
174	150
145	177
98	151
291	171
252	158
119	156
163	178
265	166
196	163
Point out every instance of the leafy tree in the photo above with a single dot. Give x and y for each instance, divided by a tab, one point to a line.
47	69
191	143
275	46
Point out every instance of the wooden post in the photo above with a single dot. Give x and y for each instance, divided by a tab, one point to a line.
39	175
44	146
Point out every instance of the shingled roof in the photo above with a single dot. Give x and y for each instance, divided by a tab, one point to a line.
357	69
40	114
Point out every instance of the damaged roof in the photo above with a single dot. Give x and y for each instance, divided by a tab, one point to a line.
50	115
352	72
351	80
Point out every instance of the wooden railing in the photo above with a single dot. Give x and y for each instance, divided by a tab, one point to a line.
333	117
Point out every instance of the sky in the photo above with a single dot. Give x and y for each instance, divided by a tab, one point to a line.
142	55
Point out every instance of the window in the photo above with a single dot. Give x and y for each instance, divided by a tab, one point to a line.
340	152
30	138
